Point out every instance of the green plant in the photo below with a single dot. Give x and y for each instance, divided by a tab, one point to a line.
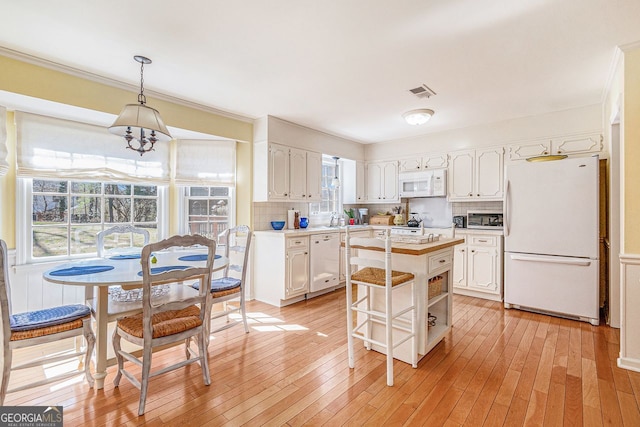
349	213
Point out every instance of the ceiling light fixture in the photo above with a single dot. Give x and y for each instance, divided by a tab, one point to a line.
140	123
418	117
335	182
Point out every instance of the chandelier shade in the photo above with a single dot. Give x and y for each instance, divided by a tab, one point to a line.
140	125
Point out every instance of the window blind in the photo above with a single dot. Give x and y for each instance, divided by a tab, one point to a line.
48	147
205	162
4	164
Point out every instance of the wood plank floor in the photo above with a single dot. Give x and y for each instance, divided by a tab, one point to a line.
496	368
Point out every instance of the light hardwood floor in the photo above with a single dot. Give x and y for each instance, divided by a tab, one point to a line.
496	367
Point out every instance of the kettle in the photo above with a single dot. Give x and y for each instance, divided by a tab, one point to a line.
413	222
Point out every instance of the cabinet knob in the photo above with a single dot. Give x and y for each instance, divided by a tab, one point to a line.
470	194
304	195
478	195
285	194
559	151
461	250
545	152
442	261
472	250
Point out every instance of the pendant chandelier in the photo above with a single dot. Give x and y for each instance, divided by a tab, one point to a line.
335	182
140	125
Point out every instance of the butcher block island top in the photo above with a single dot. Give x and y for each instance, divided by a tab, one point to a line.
431	264
417	248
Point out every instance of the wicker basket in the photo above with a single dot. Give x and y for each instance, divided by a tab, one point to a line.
435	286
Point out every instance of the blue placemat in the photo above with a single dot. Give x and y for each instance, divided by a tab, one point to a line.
164	269
85	269
126	256
199	257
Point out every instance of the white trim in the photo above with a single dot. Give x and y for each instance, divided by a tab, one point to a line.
632	259
13	54
631	364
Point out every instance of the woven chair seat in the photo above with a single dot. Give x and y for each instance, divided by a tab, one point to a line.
38	319
165	323
222	286
376	276
48	330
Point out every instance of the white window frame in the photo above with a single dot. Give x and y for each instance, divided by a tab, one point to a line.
183	206
324	216
24	229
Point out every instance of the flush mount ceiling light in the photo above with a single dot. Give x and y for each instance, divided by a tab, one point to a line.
418	117
140	125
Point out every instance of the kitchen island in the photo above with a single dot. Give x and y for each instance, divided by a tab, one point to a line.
432	264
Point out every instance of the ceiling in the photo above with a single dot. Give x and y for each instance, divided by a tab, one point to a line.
342	67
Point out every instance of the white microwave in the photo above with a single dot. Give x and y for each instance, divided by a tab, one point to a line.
426	183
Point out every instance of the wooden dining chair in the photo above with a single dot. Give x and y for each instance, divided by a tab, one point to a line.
126	303
376	307
177	317
39	327
236	244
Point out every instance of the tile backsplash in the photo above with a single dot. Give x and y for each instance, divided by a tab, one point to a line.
265	212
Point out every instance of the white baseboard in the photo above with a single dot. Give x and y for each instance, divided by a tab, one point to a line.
627	363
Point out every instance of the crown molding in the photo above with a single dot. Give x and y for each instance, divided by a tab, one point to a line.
34	60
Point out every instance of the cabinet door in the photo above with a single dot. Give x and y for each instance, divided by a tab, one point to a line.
482	269
434	161
297	272
278	172
461	175
374	182
390	191
410	165
361	192
314	177
297	174
577	144
459	273
529	149
489	173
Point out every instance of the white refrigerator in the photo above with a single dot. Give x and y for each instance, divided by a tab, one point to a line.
551	237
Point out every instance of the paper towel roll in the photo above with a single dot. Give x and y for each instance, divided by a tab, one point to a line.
291	216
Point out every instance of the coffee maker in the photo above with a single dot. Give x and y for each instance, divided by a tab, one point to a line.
364	215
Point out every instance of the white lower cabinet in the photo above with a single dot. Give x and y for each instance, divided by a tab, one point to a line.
477	265
280	267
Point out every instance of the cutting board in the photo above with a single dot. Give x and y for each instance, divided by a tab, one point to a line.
381	220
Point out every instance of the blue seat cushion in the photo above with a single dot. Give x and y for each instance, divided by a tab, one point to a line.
48	317
221	284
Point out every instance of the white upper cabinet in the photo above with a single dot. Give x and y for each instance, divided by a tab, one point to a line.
314	177
292	174
297	174
575	144
382	182
476	174
278	170
361	187
427	161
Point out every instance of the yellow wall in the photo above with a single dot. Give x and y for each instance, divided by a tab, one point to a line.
631	131
8	189
40	82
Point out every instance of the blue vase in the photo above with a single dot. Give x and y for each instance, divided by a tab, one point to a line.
304	222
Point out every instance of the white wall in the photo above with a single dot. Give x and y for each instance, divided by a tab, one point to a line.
290	134
579	120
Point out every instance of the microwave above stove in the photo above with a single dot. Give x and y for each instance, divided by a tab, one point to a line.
425	183
484	219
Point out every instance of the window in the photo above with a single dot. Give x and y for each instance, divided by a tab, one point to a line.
331	200
208	210
67	215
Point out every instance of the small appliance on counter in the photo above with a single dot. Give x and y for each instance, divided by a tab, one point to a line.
484	220
460	221
291	218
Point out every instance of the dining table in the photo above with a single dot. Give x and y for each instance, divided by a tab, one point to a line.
125	270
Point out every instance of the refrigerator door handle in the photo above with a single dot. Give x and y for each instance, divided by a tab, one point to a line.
506	209
569	261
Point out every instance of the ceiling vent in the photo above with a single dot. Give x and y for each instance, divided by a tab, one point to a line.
422	91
